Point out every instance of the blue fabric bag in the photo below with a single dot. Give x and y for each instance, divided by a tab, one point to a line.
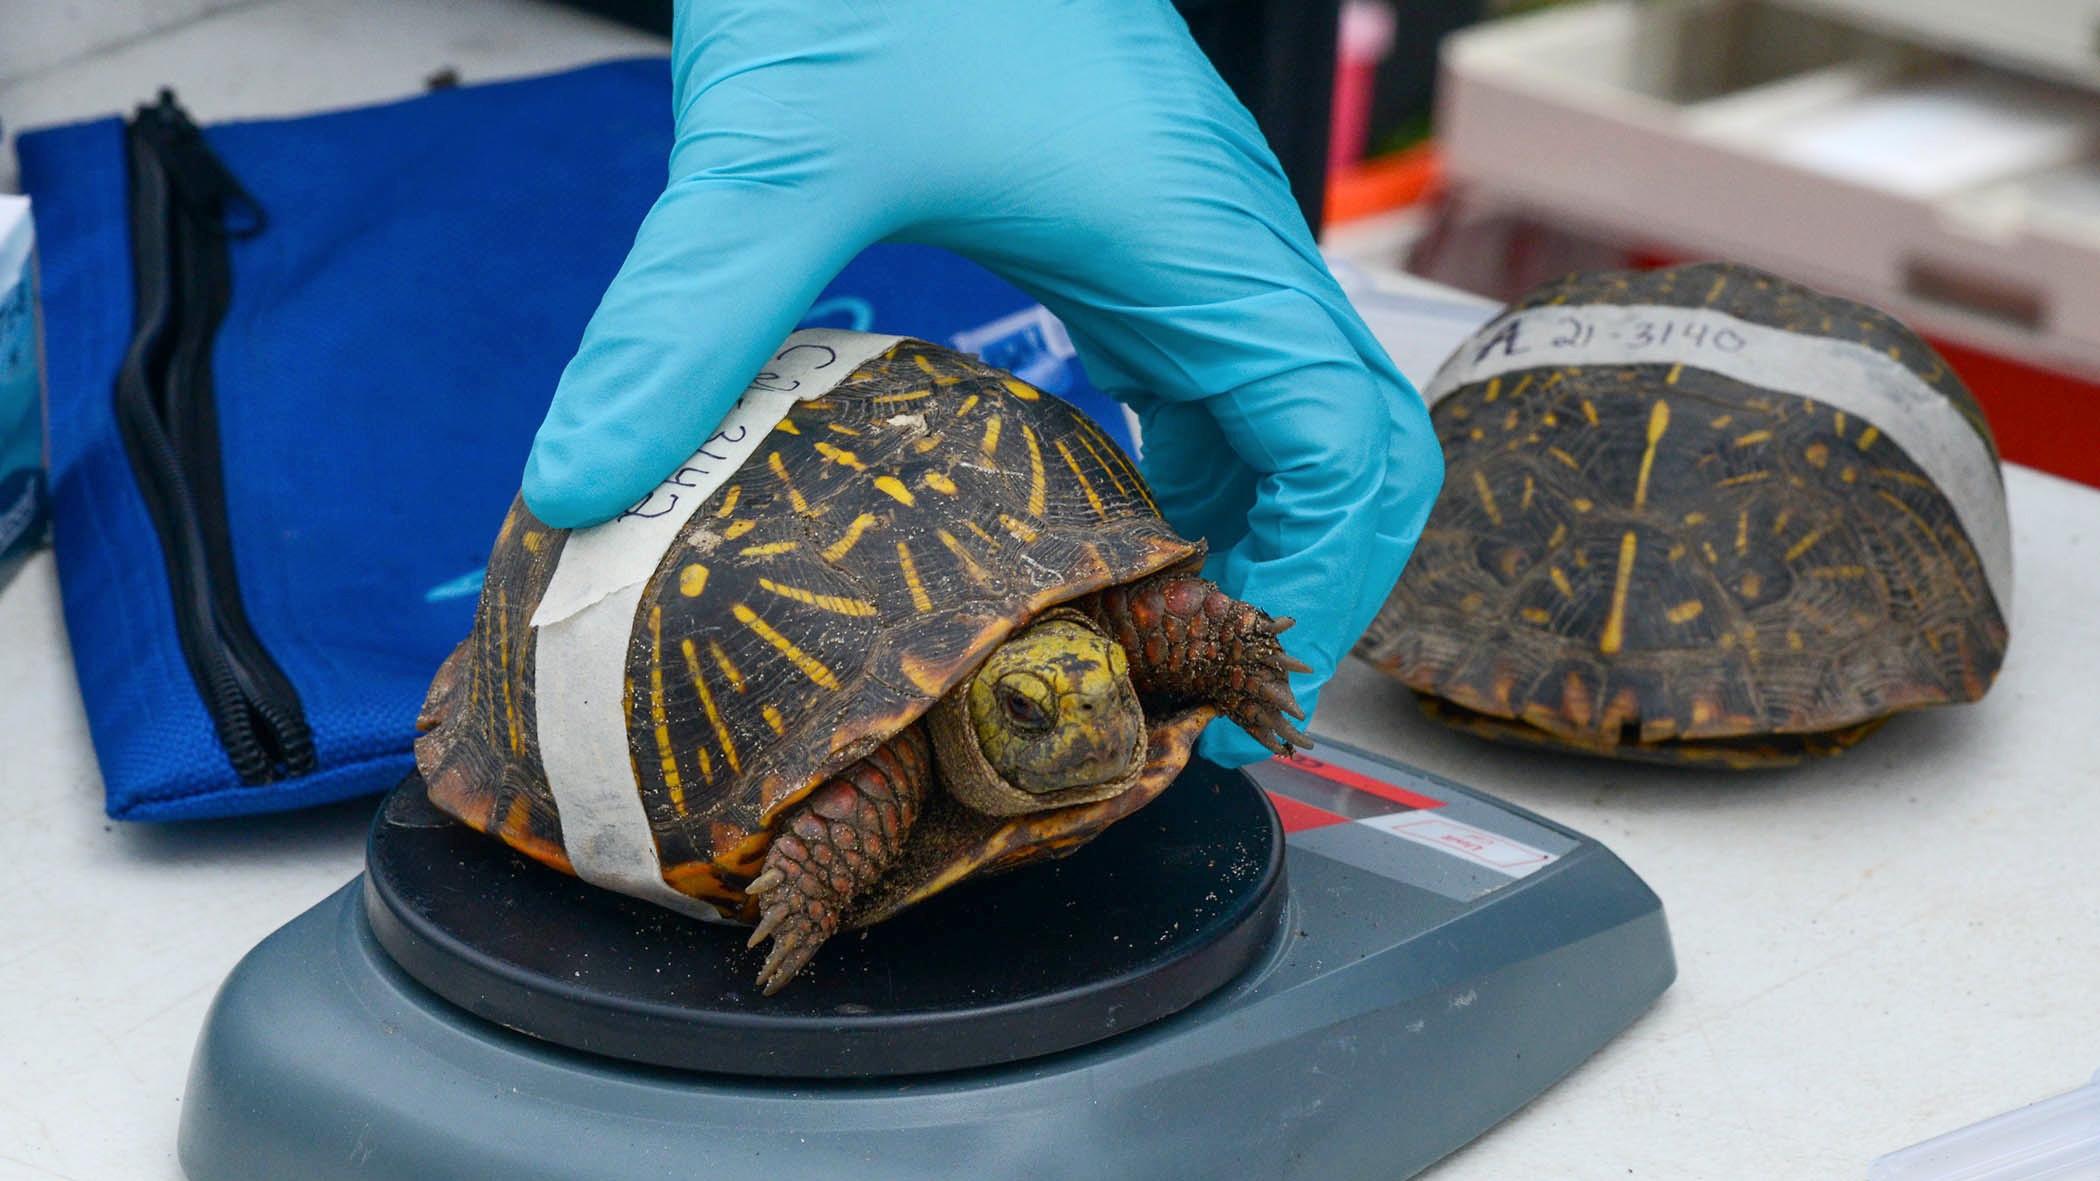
401	307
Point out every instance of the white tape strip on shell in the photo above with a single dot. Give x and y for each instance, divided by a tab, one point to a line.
586	618
1858	380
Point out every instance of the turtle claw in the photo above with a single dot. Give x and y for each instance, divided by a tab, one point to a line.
1277	735
1278	694
834	844
1264	718
1292	735
798	926
1265	699
798	907
766	926
787	958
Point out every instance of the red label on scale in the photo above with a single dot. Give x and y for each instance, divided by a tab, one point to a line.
1357	780
1297	816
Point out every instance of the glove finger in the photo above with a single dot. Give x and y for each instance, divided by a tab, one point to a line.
721	270
1202	496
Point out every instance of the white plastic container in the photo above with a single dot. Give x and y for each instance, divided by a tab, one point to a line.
2054	1140
1940	162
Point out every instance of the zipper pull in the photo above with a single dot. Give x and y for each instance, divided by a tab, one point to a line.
203	184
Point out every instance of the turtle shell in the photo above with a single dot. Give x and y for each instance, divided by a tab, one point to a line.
1659	561
877	546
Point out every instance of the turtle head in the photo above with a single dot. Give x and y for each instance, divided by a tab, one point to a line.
1053	710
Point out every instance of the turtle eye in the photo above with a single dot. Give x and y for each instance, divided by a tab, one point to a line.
1022	709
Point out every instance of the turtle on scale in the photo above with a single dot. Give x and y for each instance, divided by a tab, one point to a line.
932	627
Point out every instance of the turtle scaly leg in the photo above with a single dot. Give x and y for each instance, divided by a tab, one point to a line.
832	846
1190	642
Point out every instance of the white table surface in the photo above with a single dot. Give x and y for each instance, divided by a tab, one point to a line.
1871	950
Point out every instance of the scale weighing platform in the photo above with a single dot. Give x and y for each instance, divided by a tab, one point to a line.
1331	967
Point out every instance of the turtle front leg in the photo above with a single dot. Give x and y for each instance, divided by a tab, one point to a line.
1190	642
834	844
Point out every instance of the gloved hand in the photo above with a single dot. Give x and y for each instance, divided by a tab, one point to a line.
1087	152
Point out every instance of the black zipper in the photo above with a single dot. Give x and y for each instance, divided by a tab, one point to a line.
185	206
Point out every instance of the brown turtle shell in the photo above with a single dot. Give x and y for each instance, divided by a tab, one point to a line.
881	541
1762	580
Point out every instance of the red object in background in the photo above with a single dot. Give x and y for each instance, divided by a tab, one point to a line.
1363	37
2042	418
1383	183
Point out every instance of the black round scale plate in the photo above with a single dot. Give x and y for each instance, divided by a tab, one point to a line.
1155	914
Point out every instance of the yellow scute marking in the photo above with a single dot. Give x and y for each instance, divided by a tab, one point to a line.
894	488
910	570
1037	484
779	469
970	564
692	580
811	667
1615	625
714	716
851	537
1017	527
1102	461
841	456
510	706
1658	422
728	666
1092	497
836	604
1487	497
666	757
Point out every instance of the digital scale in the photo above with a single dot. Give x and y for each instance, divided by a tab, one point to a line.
1330	967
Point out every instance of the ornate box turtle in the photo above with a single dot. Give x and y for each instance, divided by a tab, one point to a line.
933	627
1701	515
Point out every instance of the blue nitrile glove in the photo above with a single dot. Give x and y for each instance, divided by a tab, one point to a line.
1087	152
